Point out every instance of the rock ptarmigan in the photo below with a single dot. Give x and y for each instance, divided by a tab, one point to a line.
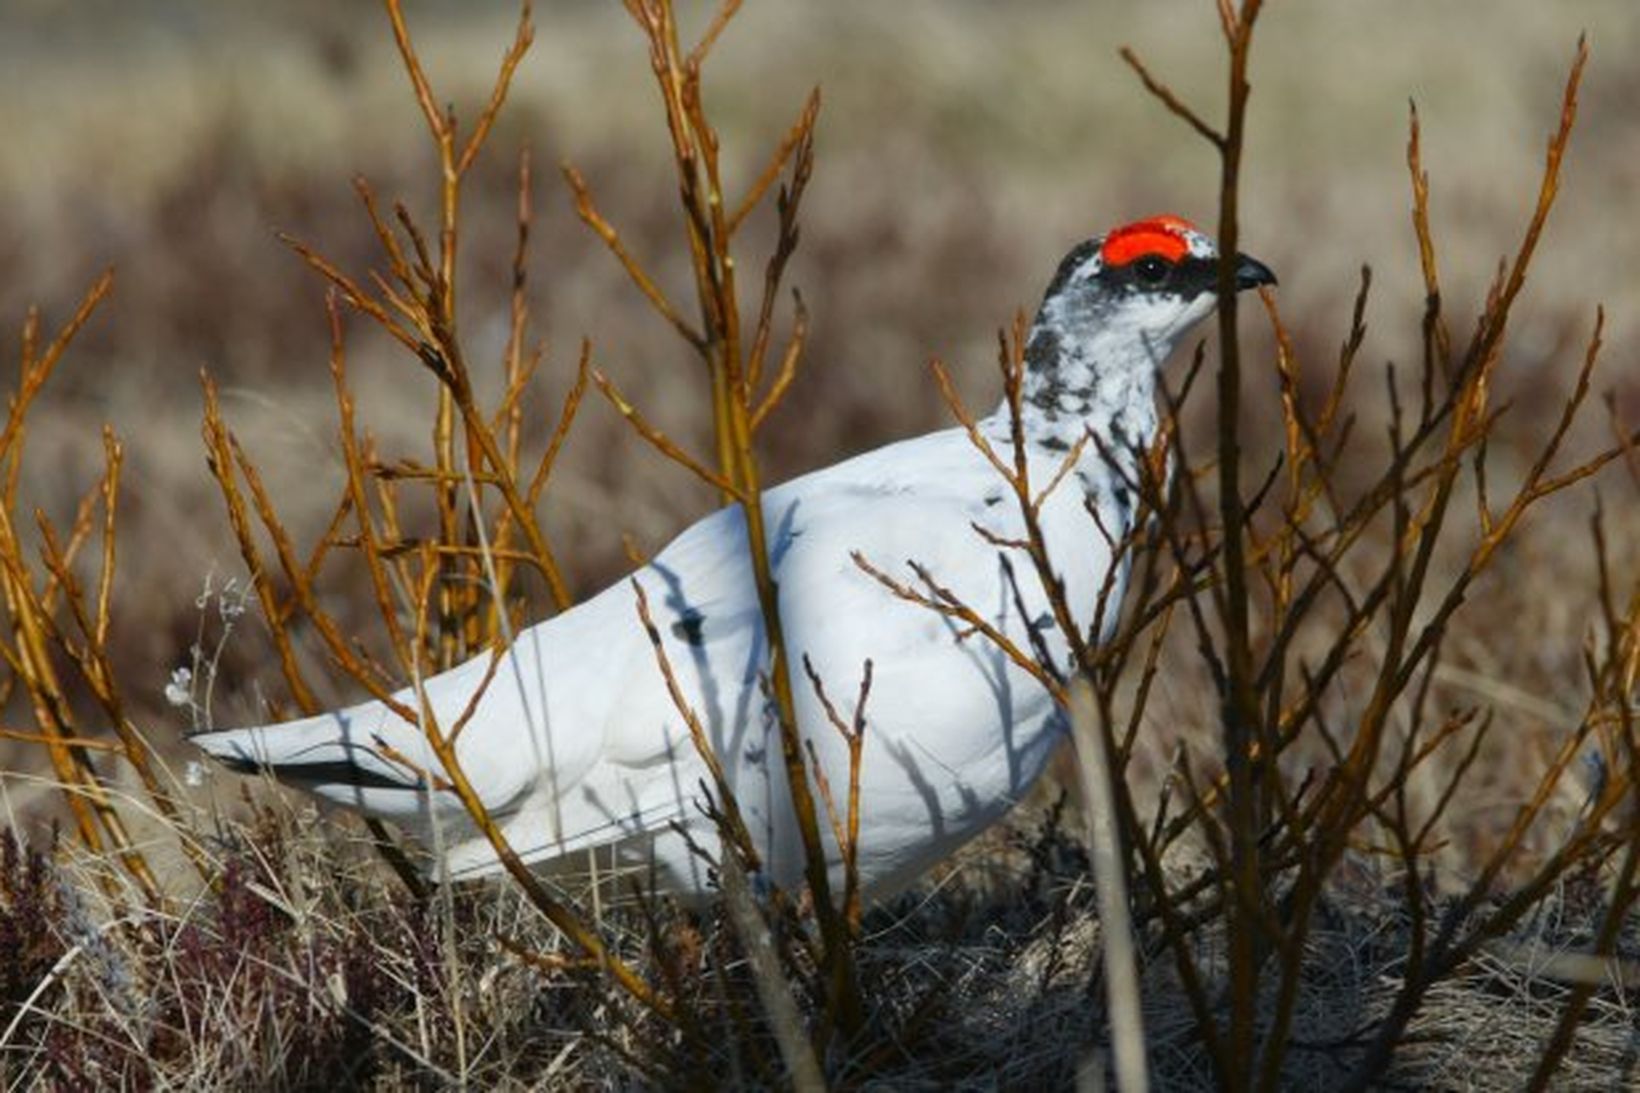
576	743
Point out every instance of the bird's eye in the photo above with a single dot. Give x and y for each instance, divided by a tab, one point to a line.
1151	270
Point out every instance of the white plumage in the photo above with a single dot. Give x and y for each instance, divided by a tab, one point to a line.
576	742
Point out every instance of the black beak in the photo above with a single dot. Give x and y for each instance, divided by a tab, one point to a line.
1251	273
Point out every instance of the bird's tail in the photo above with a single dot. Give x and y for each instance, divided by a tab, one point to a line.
364	757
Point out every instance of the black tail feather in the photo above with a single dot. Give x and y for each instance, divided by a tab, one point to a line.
239	757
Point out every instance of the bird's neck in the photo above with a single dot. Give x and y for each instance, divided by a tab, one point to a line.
1081	380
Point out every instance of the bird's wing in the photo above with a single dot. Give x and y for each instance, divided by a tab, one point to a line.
703	600
609	704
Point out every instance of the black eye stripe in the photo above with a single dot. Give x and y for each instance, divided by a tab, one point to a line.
1188	277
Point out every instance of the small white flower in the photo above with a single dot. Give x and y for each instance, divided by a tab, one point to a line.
230	602
180	691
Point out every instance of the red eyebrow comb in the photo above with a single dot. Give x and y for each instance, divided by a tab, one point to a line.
1163	235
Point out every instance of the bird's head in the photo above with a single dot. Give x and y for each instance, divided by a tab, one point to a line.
1136	290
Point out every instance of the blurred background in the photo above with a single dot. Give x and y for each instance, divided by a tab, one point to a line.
964	147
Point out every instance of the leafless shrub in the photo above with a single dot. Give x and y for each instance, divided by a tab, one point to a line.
1302	592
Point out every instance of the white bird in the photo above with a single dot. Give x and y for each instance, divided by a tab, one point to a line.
576	743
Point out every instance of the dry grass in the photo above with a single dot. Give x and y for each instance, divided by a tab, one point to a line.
305	970
959	146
